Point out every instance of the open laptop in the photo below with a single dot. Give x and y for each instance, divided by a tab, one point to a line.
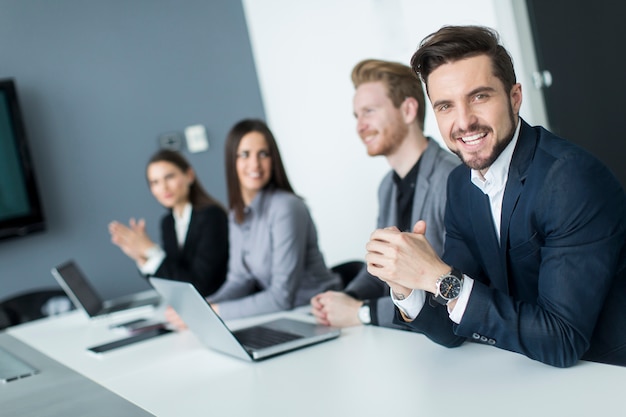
252	343
35	385
83	295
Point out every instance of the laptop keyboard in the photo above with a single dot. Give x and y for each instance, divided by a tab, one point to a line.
259	337
13	368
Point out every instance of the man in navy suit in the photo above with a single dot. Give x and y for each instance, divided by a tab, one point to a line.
535	257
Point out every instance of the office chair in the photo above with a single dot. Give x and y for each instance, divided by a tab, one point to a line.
348	270
33	305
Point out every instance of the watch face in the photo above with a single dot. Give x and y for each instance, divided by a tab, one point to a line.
364	314
450	287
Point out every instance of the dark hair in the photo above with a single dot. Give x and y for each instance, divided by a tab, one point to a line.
453	43
400	80
278	178
198	196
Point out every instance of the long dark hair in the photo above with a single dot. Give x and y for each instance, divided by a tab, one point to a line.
278	178
198	196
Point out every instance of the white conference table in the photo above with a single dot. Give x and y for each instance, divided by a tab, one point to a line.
367	371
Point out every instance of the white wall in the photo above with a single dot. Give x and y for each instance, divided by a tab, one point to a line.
304	52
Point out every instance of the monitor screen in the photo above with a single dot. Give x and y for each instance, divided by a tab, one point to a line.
20	206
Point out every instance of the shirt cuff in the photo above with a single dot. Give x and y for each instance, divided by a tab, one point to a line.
411	305
155	256
456	315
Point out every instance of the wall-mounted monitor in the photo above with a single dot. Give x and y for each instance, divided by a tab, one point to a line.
21	210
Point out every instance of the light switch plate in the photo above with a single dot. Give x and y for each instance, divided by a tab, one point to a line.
171	140
197	140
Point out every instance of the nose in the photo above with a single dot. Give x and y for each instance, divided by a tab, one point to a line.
255	161
361	125
465	117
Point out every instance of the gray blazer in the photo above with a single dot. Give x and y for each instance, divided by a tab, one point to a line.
275	263
429	204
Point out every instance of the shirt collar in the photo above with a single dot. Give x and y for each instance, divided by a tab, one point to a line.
257	202
498	172
409	177
185	217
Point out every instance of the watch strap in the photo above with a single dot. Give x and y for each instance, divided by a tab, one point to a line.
374	311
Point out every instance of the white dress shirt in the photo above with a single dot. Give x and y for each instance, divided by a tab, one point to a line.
156	254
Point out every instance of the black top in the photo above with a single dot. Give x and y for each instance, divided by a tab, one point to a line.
203	259
404	199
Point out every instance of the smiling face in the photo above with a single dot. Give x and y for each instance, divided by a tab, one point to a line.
169	184
254	165
476	116
380	125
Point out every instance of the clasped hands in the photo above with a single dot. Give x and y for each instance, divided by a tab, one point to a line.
132	239
404	260
335	308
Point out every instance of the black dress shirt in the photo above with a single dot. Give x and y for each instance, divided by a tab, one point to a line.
404	198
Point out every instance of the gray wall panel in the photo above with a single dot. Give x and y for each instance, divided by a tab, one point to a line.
99	81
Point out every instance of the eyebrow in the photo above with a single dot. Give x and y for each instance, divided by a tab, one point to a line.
481	89
475	91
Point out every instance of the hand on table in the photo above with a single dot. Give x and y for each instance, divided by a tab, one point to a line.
334	308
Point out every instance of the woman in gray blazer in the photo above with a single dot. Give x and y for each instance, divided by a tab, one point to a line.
275	263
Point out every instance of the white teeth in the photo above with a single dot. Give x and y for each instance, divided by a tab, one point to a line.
472	138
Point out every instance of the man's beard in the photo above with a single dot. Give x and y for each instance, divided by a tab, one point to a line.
391	140
480	164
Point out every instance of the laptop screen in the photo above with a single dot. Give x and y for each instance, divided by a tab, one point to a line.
74	282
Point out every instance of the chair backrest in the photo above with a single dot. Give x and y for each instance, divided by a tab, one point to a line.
348	270
32	306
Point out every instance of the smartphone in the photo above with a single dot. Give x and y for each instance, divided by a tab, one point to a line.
144	335
127	324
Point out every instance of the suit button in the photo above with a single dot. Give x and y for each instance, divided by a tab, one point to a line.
483	339
476	336
491	342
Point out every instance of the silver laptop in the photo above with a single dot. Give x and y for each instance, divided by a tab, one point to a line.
83	295
35	385
252	343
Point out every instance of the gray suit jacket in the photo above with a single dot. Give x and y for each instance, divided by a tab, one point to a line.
429	204
275	263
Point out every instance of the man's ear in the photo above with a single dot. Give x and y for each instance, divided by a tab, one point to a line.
409	108
516	97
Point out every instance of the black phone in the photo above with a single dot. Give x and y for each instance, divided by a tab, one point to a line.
128	324
144	335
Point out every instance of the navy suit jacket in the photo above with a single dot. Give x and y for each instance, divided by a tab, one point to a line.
203	259
555	288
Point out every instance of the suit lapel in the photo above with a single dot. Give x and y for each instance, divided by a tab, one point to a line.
522	156
392	214
486	239
421	189
191	231
427	162
169	235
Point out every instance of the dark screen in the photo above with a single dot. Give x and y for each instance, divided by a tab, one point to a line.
20	207
78	285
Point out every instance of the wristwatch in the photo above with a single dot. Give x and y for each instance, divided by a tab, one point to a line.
449	286
364	313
